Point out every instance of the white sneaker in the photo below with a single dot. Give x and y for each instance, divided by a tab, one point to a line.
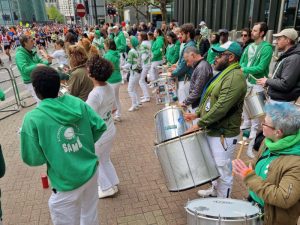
145	100
117	119
142	97
133	108
116	189
107	193
211	192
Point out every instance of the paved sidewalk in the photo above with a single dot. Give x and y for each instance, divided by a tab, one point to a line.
143	197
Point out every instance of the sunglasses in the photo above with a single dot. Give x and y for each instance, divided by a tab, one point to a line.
266	125
244	35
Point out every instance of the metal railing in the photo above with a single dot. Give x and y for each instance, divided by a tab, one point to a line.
11	104
24	96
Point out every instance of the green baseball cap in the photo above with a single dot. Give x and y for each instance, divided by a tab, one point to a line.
230	46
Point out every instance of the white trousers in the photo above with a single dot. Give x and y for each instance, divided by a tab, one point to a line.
223	156
154	71
183	90
116	88
77	207
123	57
133	88
142	81
254	123
29	88
107	176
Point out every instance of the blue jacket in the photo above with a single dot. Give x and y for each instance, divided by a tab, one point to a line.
182	69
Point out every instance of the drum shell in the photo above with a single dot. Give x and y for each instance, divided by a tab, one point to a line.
254	104
169	123
195	219
187	161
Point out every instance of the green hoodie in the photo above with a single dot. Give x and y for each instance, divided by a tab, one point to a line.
259	68
61	132
157	49
26	62
172	53
289	145
120	41
114	58
211	55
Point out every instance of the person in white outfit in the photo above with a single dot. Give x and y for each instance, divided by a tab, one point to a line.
102	100
132	64
145	54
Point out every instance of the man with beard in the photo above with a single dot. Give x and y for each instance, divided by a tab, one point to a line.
220	111
255	63
181	70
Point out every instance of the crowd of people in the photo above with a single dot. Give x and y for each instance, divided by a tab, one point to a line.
214	76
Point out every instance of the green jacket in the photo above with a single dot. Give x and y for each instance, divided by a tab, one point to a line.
182	69
260	65
280	189
211	55
114	58
61	132
120	41
157	49
172	53
221	113
26	62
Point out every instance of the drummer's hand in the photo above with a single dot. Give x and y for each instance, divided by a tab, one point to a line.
262	81
169	74
189	116
192	129
182	105
240	168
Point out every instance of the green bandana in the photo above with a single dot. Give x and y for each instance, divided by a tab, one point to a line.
289	145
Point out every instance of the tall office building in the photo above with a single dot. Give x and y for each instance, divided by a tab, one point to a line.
9	12
14	11
50	3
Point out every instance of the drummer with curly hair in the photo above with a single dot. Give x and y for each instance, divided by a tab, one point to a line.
274	181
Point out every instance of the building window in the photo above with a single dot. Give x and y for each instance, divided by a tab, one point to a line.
289	14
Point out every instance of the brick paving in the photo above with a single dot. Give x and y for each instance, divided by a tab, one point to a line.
143	197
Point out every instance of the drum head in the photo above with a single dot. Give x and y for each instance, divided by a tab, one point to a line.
226	208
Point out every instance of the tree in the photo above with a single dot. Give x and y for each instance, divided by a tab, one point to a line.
54	14
136	4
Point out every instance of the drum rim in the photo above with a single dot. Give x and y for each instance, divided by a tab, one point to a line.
167	107
205	216
180	136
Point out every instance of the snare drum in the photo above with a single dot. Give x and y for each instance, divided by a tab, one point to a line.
225	211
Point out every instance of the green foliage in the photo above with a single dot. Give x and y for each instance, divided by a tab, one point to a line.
55	15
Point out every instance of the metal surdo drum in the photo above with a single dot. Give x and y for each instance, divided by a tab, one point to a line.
222	211
254	104
187	161
169	123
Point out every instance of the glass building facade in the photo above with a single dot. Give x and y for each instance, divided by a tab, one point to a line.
14	11
9	11
237	14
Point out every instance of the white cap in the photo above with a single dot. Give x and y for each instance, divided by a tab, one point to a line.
202	23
